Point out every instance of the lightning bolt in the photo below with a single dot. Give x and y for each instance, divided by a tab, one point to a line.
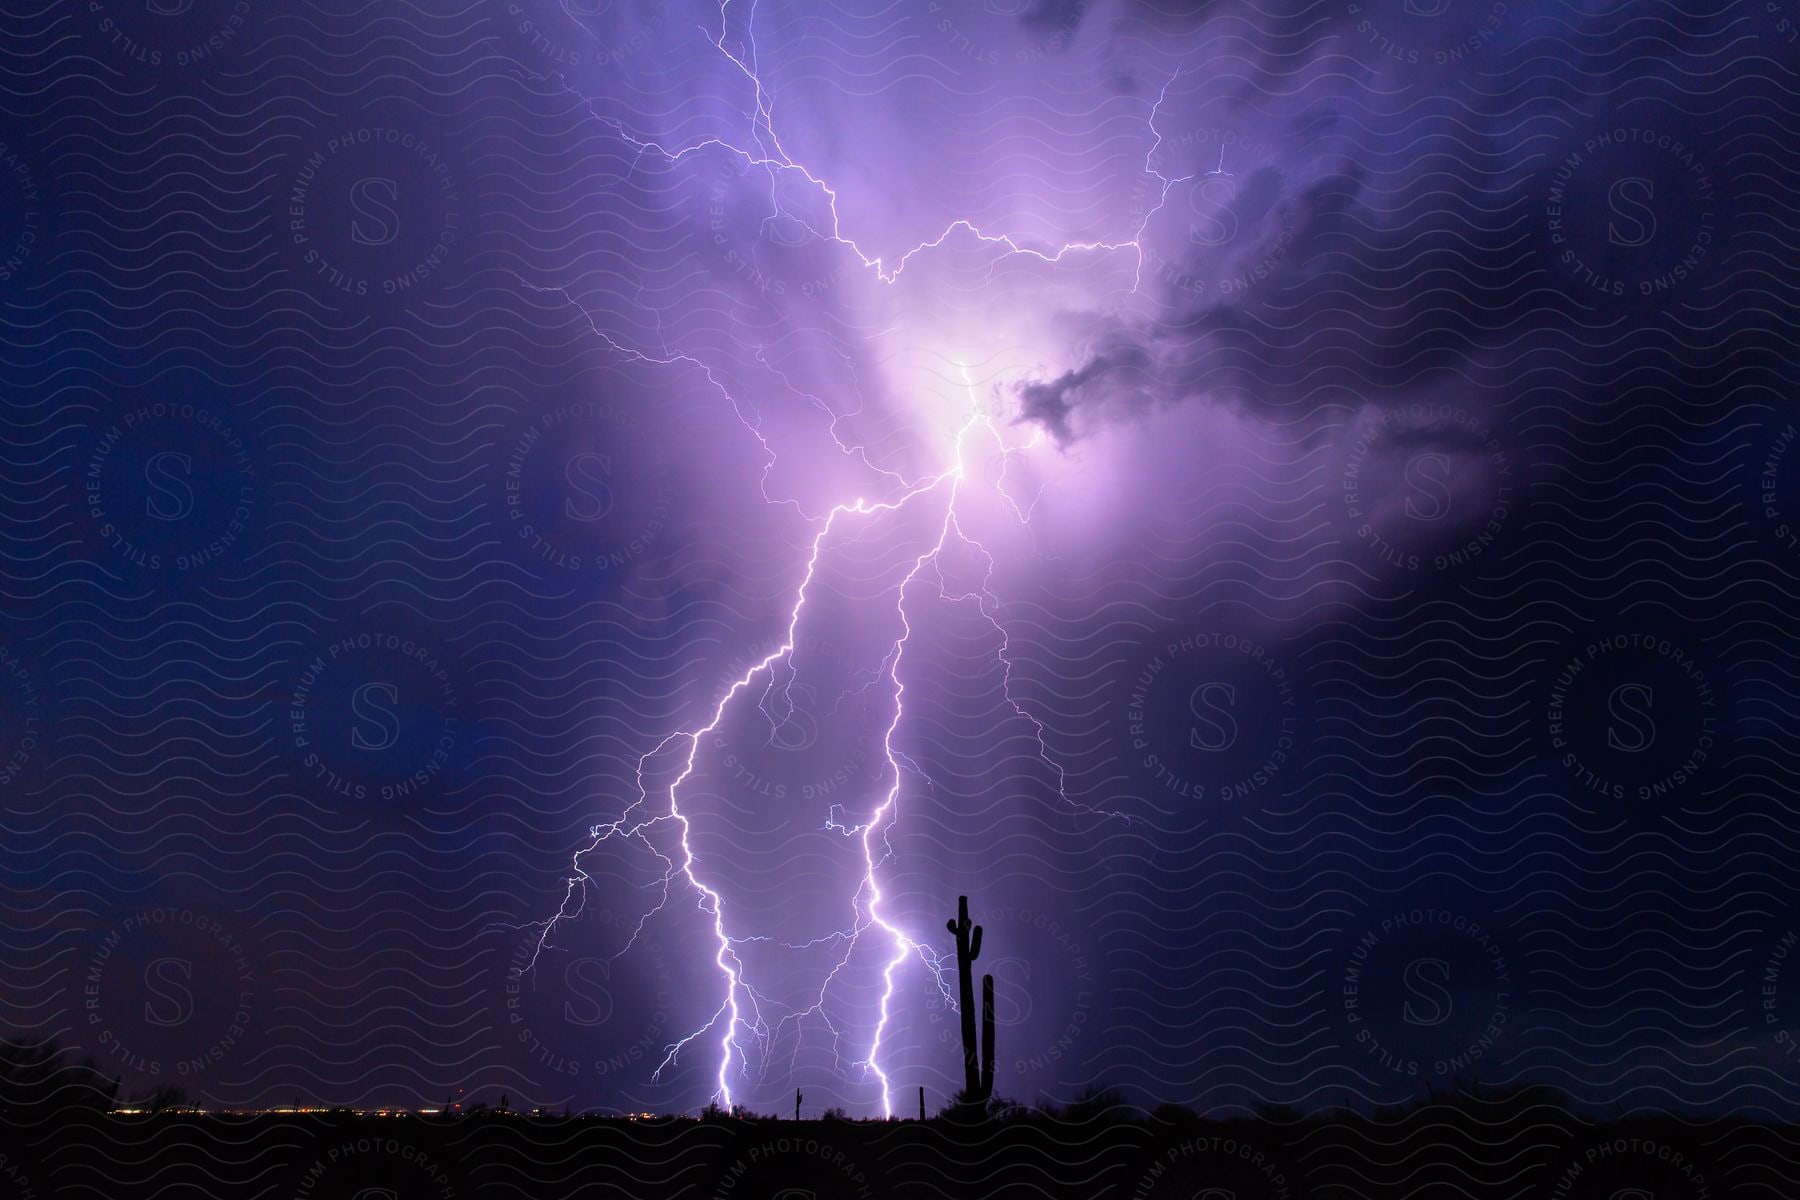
773	158
741	1019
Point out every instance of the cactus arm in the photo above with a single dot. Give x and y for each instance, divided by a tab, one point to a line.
987	1036
975	943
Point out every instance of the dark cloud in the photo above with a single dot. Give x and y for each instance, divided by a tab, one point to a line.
1401	226
1122	373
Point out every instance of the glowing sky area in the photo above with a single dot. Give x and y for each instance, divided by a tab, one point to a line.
955	453
552	541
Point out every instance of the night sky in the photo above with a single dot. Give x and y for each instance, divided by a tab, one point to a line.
1293	508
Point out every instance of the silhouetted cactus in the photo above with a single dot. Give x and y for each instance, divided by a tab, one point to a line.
978	1083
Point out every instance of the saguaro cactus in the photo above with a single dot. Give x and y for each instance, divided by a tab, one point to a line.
978	1082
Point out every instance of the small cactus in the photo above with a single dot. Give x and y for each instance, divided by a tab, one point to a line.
978	1082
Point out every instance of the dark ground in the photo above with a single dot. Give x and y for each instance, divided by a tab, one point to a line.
1517	1145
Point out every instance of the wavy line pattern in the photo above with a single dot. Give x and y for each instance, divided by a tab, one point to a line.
1291	506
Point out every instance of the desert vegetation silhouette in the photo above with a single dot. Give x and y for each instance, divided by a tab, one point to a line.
978	1052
